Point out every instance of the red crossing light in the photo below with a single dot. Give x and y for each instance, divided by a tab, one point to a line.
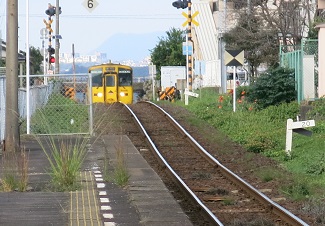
52	60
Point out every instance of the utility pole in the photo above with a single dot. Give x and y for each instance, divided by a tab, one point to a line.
0	47
57	40
12	114
223	67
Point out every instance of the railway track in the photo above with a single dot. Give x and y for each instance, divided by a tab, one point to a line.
222	197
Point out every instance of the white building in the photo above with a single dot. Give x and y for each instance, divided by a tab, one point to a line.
215	18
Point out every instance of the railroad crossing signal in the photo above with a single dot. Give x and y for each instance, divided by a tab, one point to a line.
234	57
48	25
190	19
180	4
51	51
52	10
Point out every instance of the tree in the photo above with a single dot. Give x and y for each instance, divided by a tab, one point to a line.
265	24
291	18
36	61
168	51
258	42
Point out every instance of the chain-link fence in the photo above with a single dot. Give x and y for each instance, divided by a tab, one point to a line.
57	105
303	59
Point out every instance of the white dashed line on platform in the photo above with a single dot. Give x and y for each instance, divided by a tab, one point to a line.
105	208
100	185
108	216
109	224
104	200
102	193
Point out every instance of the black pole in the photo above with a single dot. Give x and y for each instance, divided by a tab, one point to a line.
189	39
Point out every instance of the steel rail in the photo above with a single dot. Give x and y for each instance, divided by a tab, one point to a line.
276	208
209	213
283	213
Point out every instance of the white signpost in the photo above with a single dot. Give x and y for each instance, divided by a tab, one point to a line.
297	127
187	92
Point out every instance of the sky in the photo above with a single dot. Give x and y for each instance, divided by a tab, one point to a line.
88	30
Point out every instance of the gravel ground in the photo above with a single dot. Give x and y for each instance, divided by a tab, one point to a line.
247	165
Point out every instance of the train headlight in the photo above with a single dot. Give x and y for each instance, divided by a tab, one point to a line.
100	94
122	94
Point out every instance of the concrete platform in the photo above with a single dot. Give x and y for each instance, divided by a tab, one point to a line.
145	201
146	191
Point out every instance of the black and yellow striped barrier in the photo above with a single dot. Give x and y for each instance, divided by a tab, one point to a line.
69	92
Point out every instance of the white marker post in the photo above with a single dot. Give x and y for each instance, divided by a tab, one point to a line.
297	127
188	93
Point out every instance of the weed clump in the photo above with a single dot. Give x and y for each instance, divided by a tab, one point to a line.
65	157
120	173
15	171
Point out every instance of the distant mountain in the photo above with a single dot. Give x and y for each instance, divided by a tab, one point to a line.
83	68
140	71
130	46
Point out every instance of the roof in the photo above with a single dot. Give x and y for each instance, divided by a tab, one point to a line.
21	54
206	33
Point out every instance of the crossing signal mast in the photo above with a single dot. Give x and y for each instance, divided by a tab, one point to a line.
183	4
51	11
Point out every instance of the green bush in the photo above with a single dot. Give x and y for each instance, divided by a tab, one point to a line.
318	109
273	87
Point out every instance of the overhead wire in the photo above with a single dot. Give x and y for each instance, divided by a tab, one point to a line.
118	16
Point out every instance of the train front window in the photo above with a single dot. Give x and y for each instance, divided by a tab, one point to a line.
96	77
125	77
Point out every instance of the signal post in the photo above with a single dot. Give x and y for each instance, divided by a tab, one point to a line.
189	40
183	4
189	61
52	52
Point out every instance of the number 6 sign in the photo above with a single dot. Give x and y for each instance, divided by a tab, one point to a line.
90	5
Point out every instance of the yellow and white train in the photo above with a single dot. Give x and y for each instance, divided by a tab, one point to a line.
111	83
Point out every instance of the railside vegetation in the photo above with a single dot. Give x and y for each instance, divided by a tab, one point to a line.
259	125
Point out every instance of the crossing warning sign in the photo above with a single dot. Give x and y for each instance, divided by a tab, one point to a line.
234	57
190	18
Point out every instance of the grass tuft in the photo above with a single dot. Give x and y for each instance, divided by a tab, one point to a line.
15	171
263	131
119	174
65	156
